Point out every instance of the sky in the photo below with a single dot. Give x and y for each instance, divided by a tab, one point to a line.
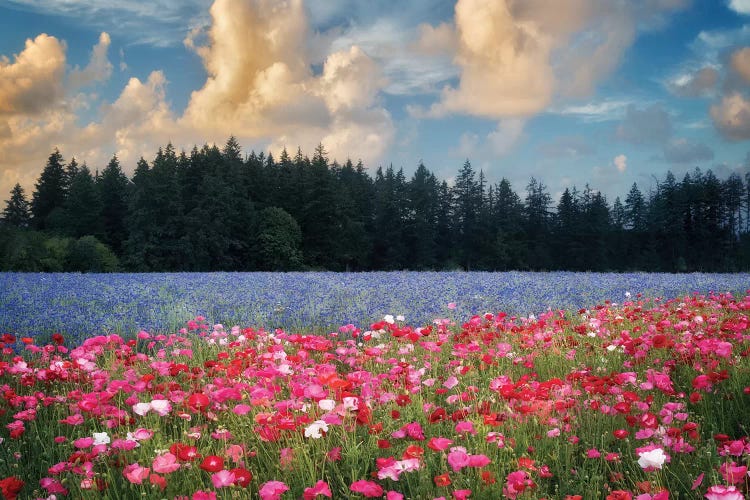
604	92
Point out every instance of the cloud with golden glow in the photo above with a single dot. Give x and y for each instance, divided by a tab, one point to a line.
515	57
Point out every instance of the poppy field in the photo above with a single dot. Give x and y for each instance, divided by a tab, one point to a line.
639	398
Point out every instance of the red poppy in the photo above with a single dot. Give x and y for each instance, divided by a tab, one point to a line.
10	487
184	452
413	451
442	480
242	476
438	414
198	401
620	495
620	433
212	463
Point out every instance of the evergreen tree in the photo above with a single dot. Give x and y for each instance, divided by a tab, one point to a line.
569	239
509	223
16	212
49	194
83	207
113	193
421	219
538	216
467	198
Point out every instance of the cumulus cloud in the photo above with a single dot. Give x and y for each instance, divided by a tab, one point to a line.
516	56
260	84
498	142
682	150
621	163
506	135
731	117
695	83
99	68
436	40
649	126
740	6
33	80
740	62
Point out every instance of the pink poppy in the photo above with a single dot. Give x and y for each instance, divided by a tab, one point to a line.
320	488
165	464
368	489
135	473
222	479
204	495
272	490
439	443
720	492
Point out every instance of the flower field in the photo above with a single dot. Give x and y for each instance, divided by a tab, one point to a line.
642	399
83	305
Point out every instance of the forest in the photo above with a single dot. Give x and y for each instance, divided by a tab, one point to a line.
214	209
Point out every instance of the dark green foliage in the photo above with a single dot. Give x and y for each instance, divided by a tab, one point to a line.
16	212
113	193
83	207
279	238
213	209
49	195
88	254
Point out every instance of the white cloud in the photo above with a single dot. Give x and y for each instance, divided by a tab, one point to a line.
596	111
158	22
99	69
740	6
33	80
506	135
621	163
260	84
694	83
731	117
517	57
740	62
260	87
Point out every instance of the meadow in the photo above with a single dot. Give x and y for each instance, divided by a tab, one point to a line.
376	385
82	305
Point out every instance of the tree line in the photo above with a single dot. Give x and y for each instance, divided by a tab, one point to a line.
213	209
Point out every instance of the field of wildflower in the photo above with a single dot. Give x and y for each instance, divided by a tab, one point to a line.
627	397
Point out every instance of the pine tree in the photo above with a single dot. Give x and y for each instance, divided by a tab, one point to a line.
82	209
421	219
467	198
538	216
16	212
49	194
113	193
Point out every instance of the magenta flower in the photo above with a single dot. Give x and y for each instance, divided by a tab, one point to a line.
720	492
458	459
222	479
53	486
368	489
439	443
272	490
165	464
733	473
320	488
135	473
204	495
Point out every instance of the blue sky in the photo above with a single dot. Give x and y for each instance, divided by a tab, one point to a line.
597	91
